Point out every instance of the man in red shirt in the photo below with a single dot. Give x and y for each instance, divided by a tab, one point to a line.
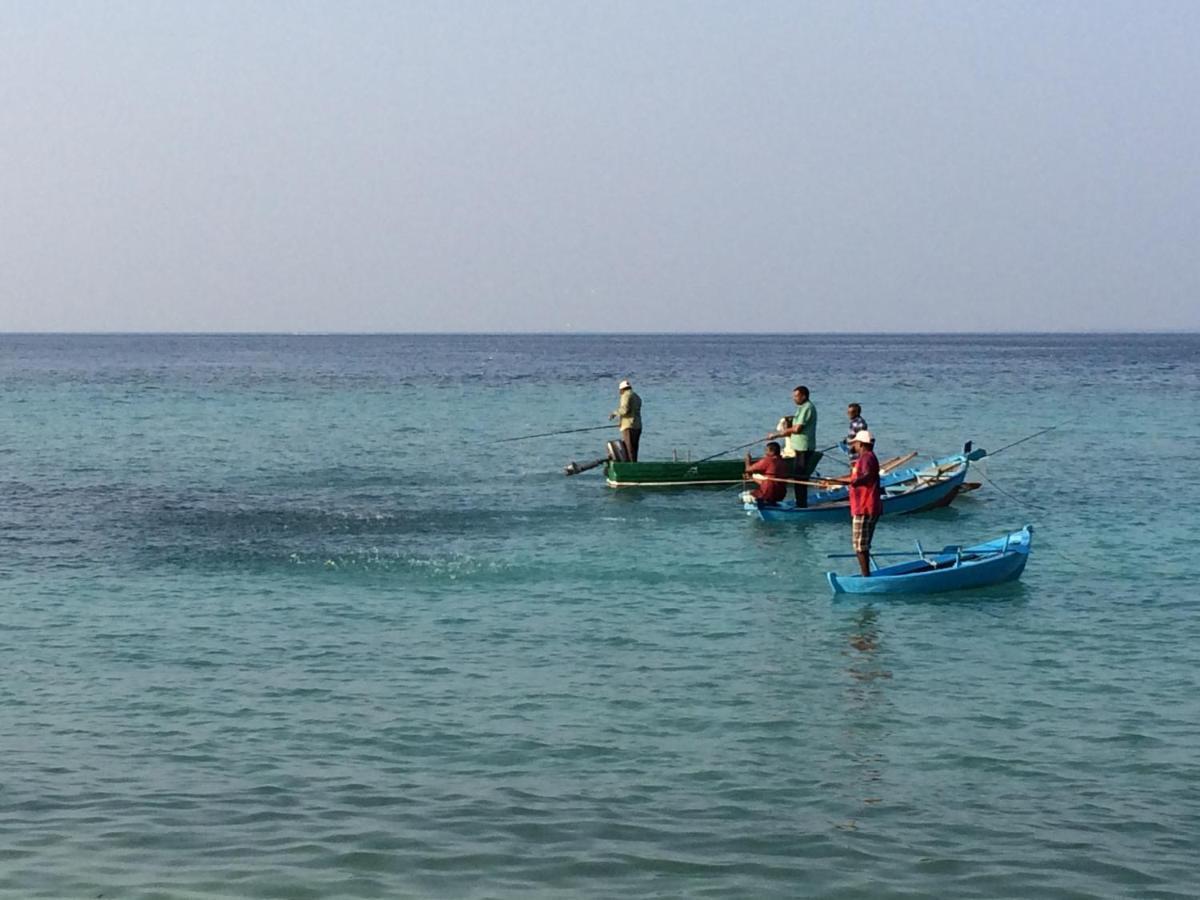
774	466
866	498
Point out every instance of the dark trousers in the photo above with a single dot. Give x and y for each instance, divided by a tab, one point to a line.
631	437
800	471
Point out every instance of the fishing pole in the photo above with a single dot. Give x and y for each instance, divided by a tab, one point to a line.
836	459
751	444
524	437
1022	440
731	449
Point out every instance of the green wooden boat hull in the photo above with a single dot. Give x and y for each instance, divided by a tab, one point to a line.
711	473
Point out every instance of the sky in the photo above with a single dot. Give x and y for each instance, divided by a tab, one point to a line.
603	166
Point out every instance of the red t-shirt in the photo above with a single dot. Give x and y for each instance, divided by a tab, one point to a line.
775	467
866	498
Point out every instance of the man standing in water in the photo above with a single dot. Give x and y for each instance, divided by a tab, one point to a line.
802	440
630	412
866	498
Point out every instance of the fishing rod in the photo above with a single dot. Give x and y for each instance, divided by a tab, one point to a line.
1022	440
751	444
836	459
732	449
525	437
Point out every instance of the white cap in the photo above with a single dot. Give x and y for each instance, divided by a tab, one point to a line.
624	384
864	437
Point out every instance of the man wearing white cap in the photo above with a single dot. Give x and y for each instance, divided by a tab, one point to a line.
630	412
866	498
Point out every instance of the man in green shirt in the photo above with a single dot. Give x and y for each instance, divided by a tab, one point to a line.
802	440
630	412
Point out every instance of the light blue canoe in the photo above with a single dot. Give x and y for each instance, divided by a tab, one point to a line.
905	491
949	569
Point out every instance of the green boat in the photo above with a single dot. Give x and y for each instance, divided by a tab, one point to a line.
619	472
670	473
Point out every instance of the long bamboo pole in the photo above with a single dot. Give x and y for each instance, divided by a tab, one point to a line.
833	483
825	485
896	462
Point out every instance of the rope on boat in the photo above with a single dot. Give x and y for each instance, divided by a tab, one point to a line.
1028	504
1024	504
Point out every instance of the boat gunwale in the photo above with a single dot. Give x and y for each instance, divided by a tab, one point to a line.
686	483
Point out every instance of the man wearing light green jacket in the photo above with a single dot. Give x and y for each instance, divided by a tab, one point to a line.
630	412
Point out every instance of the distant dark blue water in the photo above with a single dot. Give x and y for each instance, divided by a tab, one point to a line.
285	617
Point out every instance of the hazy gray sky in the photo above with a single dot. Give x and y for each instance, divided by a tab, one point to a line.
599	166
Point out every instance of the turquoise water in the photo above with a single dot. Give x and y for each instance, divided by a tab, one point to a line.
283	619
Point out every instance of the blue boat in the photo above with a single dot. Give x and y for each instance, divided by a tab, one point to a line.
905	491
952	568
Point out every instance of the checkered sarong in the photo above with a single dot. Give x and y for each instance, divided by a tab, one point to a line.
862	530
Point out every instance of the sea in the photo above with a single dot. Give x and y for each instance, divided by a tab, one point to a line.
295	616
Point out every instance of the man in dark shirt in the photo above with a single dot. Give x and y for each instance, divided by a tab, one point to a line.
857	424
773	466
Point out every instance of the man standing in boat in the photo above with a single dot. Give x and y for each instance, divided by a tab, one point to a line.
802	441
771	489
857	424
630	412
866	498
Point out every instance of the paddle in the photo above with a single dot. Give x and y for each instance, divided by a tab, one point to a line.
525	437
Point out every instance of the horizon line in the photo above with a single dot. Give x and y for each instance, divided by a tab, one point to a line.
332	333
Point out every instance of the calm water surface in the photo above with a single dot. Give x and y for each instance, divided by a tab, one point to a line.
282	618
